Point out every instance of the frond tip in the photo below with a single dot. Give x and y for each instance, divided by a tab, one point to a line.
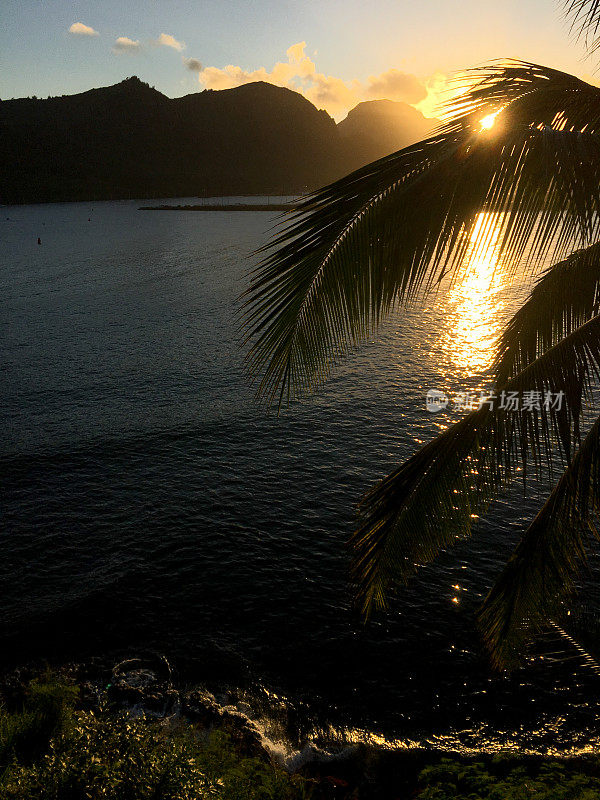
541	573
585	19
565	297
421	508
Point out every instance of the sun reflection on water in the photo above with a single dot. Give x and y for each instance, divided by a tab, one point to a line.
474	306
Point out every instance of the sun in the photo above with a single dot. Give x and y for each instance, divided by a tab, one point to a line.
488	122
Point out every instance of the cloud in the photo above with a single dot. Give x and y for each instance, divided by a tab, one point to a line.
80	29
166	40
126	45
299	73
335	95
396	85
193	64
440	89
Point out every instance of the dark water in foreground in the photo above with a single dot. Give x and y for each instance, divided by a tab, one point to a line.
147	503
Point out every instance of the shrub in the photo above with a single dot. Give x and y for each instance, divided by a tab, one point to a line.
504	779
54	752
45	713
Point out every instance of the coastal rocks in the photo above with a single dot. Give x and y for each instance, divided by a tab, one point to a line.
144	685
202	707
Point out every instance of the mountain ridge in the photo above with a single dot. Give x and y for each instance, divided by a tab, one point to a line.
130	140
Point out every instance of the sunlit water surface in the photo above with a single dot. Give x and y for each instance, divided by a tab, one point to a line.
148	504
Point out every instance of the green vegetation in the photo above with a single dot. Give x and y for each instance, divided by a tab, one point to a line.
505	779
52	750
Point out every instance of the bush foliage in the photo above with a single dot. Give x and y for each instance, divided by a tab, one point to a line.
50	750
504	779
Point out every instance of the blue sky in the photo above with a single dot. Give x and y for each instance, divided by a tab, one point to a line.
346	43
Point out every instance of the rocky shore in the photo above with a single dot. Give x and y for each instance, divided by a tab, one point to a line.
146	686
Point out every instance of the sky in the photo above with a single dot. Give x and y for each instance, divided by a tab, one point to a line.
336	52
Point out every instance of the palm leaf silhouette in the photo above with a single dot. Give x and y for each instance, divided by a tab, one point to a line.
566	296
361	247
543	568
585	19
378	237
454	476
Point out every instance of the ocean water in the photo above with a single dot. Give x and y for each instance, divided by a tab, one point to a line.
149	504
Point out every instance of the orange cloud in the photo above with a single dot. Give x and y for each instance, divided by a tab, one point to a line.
335	95
396	85
440	89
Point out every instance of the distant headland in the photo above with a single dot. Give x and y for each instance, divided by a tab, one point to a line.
225	207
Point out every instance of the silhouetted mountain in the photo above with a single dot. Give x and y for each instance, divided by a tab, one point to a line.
378	127
129	140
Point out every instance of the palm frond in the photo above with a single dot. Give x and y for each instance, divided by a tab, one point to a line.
541	572
427	503
425	506
585	19
394	228
566	296
526	94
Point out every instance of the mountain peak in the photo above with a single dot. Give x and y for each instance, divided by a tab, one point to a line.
380	127
385	108
264	90
134	85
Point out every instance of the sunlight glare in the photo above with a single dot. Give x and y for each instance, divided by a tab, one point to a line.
474	304
488	122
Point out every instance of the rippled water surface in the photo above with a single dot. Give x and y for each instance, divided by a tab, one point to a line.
147	503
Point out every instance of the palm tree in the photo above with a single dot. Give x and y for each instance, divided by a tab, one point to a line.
389	232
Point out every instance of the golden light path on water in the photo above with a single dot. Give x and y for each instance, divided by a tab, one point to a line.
480	739
474	305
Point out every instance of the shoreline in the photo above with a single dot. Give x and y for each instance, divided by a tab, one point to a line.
224	207
147	687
